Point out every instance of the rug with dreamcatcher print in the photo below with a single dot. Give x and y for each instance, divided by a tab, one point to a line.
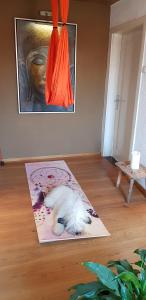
42	178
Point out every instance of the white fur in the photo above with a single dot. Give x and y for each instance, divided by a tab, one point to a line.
68	205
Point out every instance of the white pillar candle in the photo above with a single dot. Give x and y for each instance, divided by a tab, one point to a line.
135	160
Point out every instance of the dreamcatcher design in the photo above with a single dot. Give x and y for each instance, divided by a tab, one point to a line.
49	177
44	179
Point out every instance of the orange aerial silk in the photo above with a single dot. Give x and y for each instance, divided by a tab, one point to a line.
61	91
52	52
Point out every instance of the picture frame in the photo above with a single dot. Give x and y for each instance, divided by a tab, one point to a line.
32	38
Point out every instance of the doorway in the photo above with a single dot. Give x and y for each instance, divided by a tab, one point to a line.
122	96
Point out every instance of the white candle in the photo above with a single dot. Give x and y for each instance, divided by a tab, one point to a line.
135	160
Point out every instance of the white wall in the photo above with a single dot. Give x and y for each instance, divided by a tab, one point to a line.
140	136
127	10
122	12
140	141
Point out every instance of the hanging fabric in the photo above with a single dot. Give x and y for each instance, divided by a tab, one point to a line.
61	90
52	52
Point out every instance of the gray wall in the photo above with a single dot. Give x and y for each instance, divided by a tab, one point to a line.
51	134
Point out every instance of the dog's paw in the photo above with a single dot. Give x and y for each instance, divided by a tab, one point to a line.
58	229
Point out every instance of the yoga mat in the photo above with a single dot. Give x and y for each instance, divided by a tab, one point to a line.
43	177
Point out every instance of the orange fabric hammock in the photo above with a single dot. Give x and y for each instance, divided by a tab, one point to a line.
52	52
61	91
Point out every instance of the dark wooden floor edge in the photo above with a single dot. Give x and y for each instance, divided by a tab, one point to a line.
111	159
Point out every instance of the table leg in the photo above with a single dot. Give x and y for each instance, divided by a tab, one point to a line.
130	190
119	179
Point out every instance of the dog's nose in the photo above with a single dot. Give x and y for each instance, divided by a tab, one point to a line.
77	233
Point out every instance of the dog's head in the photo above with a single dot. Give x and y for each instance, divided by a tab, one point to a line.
75	221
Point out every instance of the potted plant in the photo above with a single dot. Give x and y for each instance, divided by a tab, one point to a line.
119	280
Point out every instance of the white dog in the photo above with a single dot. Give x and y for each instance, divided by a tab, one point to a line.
70	212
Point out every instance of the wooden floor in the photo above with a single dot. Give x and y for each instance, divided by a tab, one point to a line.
29	271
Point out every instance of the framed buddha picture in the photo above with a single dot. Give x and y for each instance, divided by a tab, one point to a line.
32	39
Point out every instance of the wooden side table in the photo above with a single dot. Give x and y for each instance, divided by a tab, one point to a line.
131	174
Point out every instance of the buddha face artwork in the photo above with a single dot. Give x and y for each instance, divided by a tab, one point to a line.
36	67
32	46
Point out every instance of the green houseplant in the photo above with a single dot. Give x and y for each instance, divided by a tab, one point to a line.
119	280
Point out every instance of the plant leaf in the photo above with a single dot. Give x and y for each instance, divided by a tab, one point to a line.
129	277
120	269
87	290
83	287
126	265
142	278
122	266
75	296
105	275
117	265
139	263
109	297
141	253
125	294
112	263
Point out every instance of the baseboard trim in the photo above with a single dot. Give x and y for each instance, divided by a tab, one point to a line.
50	157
